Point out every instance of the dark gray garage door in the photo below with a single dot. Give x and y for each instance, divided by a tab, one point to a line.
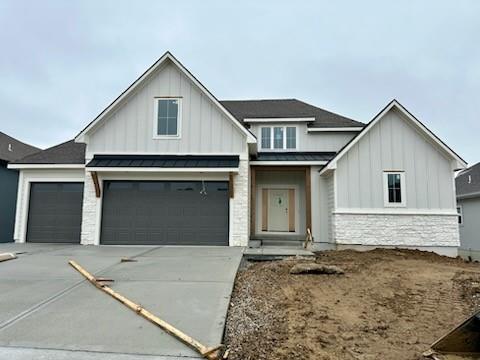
165	213
55	212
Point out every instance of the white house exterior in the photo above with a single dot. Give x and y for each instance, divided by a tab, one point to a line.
167	163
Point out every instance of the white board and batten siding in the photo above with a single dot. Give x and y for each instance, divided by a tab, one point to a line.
308	141
204	128
393	144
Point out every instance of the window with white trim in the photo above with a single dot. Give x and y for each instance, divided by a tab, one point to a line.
460	214
394	188
278	138
167	119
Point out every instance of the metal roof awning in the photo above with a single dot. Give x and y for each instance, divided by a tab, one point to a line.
214	163
292	158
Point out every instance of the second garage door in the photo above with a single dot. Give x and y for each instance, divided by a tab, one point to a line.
165	213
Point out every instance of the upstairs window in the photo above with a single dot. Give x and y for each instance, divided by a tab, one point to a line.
266	138
279	138
291	137
167	117
394	189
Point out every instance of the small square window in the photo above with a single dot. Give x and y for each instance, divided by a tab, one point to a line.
394	185
167	119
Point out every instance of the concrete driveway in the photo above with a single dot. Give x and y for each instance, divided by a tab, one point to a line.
48	311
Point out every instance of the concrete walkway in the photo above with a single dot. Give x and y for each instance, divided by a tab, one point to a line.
48	311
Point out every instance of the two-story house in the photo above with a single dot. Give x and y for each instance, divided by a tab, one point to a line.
168	163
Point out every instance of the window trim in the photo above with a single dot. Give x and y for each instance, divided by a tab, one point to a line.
177	136
460	214
272	140
386	202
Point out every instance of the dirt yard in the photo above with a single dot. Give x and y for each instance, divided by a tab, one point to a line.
389	304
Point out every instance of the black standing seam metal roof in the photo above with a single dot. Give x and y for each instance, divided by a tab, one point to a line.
293	156
467	183
165	161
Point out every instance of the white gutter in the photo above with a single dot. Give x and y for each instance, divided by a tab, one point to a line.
287	163
46	166
265	120
162	169
335	129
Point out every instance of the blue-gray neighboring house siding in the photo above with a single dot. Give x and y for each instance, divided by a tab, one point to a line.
8	196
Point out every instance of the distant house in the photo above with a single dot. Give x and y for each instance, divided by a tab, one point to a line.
167	163
10	149
468	207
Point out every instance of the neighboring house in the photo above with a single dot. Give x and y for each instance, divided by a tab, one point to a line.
10	149
468	207
168	163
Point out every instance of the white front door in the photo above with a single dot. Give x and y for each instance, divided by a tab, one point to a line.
278	210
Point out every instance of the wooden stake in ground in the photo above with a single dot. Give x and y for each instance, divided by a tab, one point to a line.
7	256
212	353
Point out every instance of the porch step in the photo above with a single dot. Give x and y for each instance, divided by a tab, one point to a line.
266	253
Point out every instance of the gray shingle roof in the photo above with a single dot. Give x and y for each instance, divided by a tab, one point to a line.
11	149
68	152
277	108
169	161
293	156
468	182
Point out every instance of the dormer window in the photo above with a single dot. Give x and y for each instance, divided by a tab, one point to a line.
278	138
167	118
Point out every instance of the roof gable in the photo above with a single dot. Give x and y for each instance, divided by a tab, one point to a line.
394	104
167	57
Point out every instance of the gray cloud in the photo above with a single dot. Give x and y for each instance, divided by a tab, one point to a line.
62	62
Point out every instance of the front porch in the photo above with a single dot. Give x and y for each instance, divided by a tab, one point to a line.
281	205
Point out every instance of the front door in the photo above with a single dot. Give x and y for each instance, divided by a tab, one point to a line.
278	210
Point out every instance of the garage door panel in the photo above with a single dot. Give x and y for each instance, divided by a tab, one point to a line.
55	212
165	213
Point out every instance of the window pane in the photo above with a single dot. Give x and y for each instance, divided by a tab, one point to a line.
172	108
397	181
162	108
265	138
162	126
394	188
167	116
291	137
398	196
172	126
278	137
390	180
391	195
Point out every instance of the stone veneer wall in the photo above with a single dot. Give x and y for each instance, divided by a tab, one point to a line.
396	230
240	210
89	212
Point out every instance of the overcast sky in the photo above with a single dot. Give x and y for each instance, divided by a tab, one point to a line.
62	62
